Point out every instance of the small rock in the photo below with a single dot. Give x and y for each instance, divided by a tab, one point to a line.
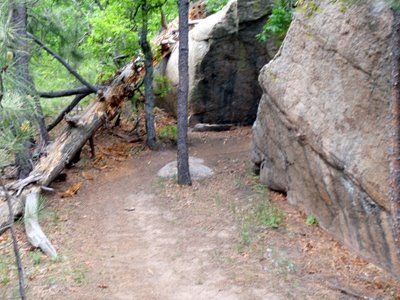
198	170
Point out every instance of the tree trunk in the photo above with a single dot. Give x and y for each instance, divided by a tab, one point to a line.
22	66
148	79
183	92
395	111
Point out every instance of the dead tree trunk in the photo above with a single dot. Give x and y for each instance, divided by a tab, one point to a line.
72	139
70	142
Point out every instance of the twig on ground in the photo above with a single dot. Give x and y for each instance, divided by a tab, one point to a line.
15	244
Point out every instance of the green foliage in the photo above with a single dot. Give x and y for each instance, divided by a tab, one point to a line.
103	39
260	214
15	126
395	4
4	271
162	86
213	6
35	256
111	35
278	22
268	215
168	133
312	220
245	234
79	274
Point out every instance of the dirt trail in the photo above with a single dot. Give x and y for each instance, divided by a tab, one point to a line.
139	248
130	235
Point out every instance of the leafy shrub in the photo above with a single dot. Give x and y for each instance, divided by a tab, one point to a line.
162	85
213	6
168	133
278	22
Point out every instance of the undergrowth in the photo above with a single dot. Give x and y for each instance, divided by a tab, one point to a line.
168	134
213	6
259	215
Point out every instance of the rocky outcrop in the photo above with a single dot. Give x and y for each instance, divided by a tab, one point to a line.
322	129
225	60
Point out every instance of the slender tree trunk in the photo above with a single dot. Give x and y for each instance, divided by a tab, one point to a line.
148	79
395	111
20	267
22	65
183	92
23	159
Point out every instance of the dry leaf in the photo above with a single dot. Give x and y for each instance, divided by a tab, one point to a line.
72	190
87	176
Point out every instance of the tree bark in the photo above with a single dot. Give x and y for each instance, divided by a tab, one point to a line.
395	115
183	92
23	159
148	79
22	67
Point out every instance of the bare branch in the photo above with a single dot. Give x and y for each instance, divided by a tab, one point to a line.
62	61
64	93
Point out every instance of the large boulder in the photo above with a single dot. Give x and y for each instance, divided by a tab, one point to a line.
322	129
225	60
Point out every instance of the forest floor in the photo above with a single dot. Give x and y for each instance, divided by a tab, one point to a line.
128	234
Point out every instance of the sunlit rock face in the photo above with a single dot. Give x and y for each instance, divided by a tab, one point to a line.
322	129
225	60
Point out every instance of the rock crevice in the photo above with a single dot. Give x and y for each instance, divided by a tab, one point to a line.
225	60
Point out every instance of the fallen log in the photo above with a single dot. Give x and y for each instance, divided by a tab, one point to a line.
106	106
72	139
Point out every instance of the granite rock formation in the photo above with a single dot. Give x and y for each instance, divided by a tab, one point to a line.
322	129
